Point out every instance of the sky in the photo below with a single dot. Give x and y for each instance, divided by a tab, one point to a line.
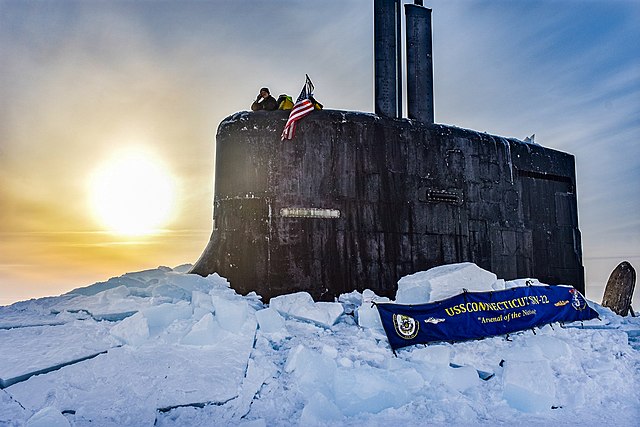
94	89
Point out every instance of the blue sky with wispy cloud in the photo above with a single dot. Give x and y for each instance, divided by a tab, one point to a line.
569	72
82	78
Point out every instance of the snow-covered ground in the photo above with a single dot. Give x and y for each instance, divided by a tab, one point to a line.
162	347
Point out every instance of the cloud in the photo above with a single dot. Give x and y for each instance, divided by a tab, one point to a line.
80	78
565	72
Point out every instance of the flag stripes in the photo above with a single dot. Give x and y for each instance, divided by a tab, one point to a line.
302	108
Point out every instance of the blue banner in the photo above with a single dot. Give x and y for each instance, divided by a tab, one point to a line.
473	315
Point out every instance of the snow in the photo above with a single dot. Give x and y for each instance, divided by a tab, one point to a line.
529	386
166	348
48	417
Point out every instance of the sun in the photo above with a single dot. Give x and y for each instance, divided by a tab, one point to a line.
132	193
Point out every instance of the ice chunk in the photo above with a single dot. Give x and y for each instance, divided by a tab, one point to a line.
259	371
571	396
175	286
459	378
186	282
161	316
498	285
352	298
169	292
230	314
443	282
368	315
439	355
269	320
116	293
369	390
406	374
290	302
292	358
182	268
162	284
48	417
300	305
350	301
414	289
141	380
12	413
430	360
529	353
326	313
313	371
345	362
434	366
204	332
551	347
133	330
111	304
320	411
202	300
330	351
254	300
27	351
138	279
218	281
529	386
199	312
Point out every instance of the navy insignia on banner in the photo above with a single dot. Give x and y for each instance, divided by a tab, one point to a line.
577	301
406	327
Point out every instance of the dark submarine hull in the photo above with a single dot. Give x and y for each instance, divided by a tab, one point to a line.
357	201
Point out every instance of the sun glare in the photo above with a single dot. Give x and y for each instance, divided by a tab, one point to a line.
132	194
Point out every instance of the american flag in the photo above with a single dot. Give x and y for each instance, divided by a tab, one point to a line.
301	108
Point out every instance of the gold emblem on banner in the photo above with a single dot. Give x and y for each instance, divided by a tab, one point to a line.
406	327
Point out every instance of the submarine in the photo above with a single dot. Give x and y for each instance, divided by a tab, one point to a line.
358	200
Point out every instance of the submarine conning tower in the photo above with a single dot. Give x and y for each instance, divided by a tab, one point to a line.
357	200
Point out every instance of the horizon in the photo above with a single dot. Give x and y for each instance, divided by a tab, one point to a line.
87	85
